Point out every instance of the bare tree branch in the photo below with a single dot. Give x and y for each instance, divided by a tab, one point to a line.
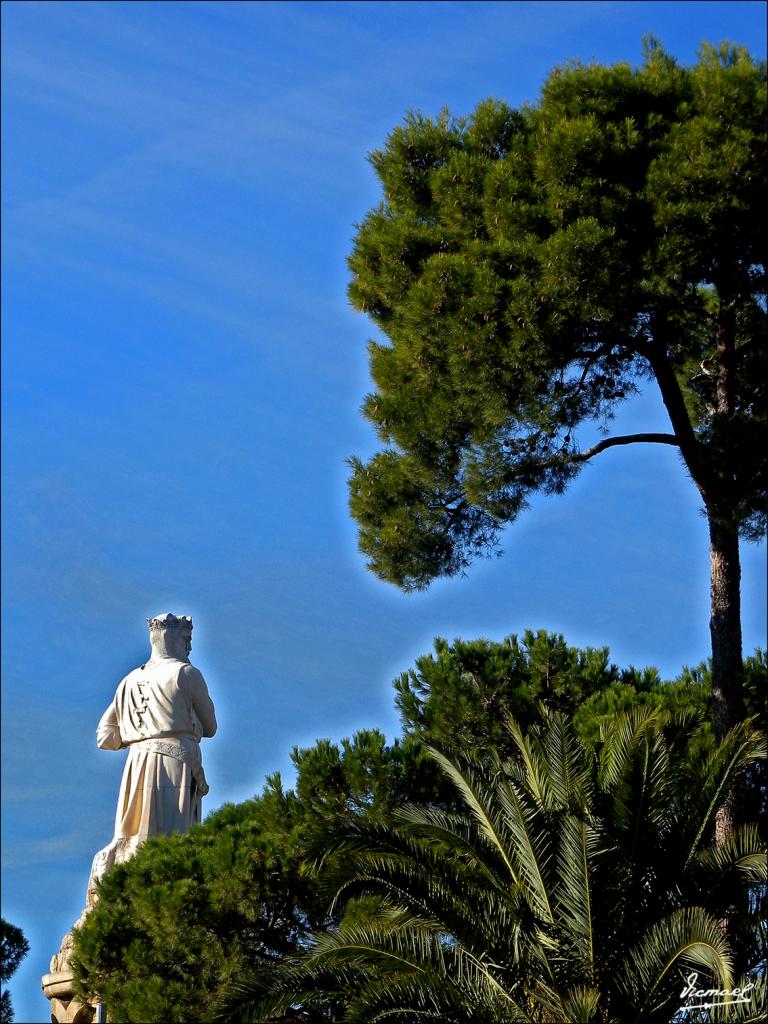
611	442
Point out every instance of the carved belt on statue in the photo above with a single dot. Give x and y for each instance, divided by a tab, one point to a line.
185	749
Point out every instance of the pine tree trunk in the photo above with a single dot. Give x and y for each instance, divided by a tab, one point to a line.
725	567
727	664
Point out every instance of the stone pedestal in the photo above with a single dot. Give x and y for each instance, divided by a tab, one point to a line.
65	1007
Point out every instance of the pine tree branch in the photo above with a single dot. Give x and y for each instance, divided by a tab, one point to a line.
674	402
611	442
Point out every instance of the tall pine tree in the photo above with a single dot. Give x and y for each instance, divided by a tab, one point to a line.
531	269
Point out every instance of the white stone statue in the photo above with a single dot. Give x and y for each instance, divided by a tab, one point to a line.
160	712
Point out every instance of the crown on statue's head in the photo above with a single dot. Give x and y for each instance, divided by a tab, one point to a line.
167	620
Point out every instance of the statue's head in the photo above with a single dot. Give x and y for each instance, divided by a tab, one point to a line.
171	634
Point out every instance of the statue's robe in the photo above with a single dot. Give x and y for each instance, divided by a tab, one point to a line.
160	712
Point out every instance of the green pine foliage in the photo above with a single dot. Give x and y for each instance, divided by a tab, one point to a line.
363	775
465	689
692	689
190	913
191	916
530	269
13	948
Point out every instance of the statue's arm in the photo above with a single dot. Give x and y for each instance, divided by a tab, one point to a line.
108	730
201	701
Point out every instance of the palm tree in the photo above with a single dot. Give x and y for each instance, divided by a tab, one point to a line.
572	885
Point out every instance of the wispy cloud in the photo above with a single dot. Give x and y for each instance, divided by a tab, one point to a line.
190	120
75	845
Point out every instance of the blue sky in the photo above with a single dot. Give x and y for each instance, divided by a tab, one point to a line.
182	381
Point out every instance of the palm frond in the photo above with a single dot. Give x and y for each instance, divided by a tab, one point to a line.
748	1007
531	849
567	888
575	860
743	852
534	774
565	764
581	1005
687	938
619	738
473	789
739	748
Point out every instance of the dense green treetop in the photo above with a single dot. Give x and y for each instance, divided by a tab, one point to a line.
464	691
13	948
191	916
192	913
530	269
363	775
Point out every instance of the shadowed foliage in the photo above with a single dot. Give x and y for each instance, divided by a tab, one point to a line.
189	915
572	885
13	948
